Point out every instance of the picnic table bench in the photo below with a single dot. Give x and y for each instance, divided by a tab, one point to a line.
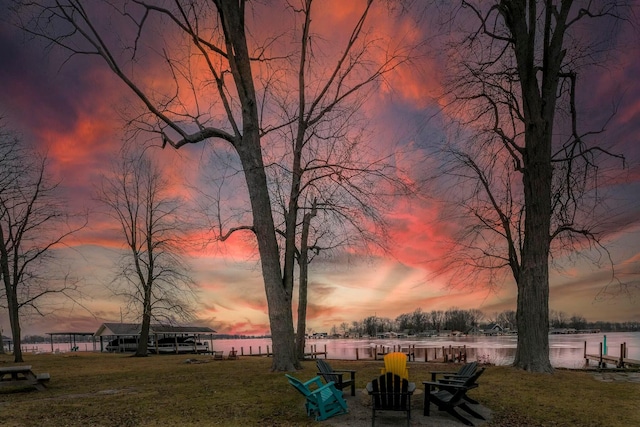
16	376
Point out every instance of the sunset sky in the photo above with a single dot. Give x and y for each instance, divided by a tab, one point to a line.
73	110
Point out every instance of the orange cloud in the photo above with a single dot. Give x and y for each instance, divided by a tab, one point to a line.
73	113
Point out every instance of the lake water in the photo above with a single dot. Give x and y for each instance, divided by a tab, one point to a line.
566	351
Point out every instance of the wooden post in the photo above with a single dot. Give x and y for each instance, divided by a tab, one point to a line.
357	356
600	362
621	360
268	351
325	351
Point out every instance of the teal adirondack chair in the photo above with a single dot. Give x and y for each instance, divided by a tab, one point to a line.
323	400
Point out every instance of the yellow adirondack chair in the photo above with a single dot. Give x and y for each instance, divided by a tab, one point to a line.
396	363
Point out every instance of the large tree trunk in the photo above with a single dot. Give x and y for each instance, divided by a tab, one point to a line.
250	153
278	299
14	319
539	95
532	352
12	300
141	350
532	316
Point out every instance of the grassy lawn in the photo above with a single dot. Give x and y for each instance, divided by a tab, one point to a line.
89	389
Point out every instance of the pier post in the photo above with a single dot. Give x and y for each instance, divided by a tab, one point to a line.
357	356
600	364
621	361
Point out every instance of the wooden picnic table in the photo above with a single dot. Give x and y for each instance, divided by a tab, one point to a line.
15	376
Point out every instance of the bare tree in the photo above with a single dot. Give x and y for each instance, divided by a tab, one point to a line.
208	55
152	277
33	223
507	319
340	203
210	95
436	320
528	169
329	188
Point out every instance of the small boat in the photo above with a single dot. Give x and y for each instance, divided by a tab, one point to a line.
174	345
122	345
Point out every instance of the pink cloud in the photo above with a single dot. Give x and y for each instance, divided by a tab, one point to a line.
73	113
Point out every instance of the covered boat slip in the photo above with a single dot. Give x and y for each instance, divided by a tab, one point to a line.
73	339
167	339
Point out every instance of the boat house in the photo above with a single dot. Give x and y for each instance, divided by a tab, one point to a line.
124	337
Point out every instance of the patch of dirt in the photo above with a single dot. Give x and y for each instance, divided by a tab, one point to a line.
360	414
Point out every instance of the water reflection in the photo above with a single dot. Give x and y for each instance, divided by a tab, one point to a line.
565	351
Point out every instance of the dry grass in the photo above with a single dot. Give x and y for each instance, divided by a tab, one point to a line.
88	389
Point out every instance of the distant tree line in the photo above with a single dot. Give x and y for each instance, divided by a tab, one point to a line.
455	319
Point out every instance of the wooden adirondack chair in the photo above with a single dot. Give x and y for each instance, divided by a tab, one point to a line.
396	363
451	395
329	374
390	392
466	371
323	400
463	373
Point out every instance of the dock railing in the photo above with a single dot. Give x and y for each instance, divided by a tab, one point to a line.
603	358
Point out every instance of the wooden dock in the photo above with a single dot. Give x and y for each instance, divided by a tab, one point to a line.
439	354
313	352
621	361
